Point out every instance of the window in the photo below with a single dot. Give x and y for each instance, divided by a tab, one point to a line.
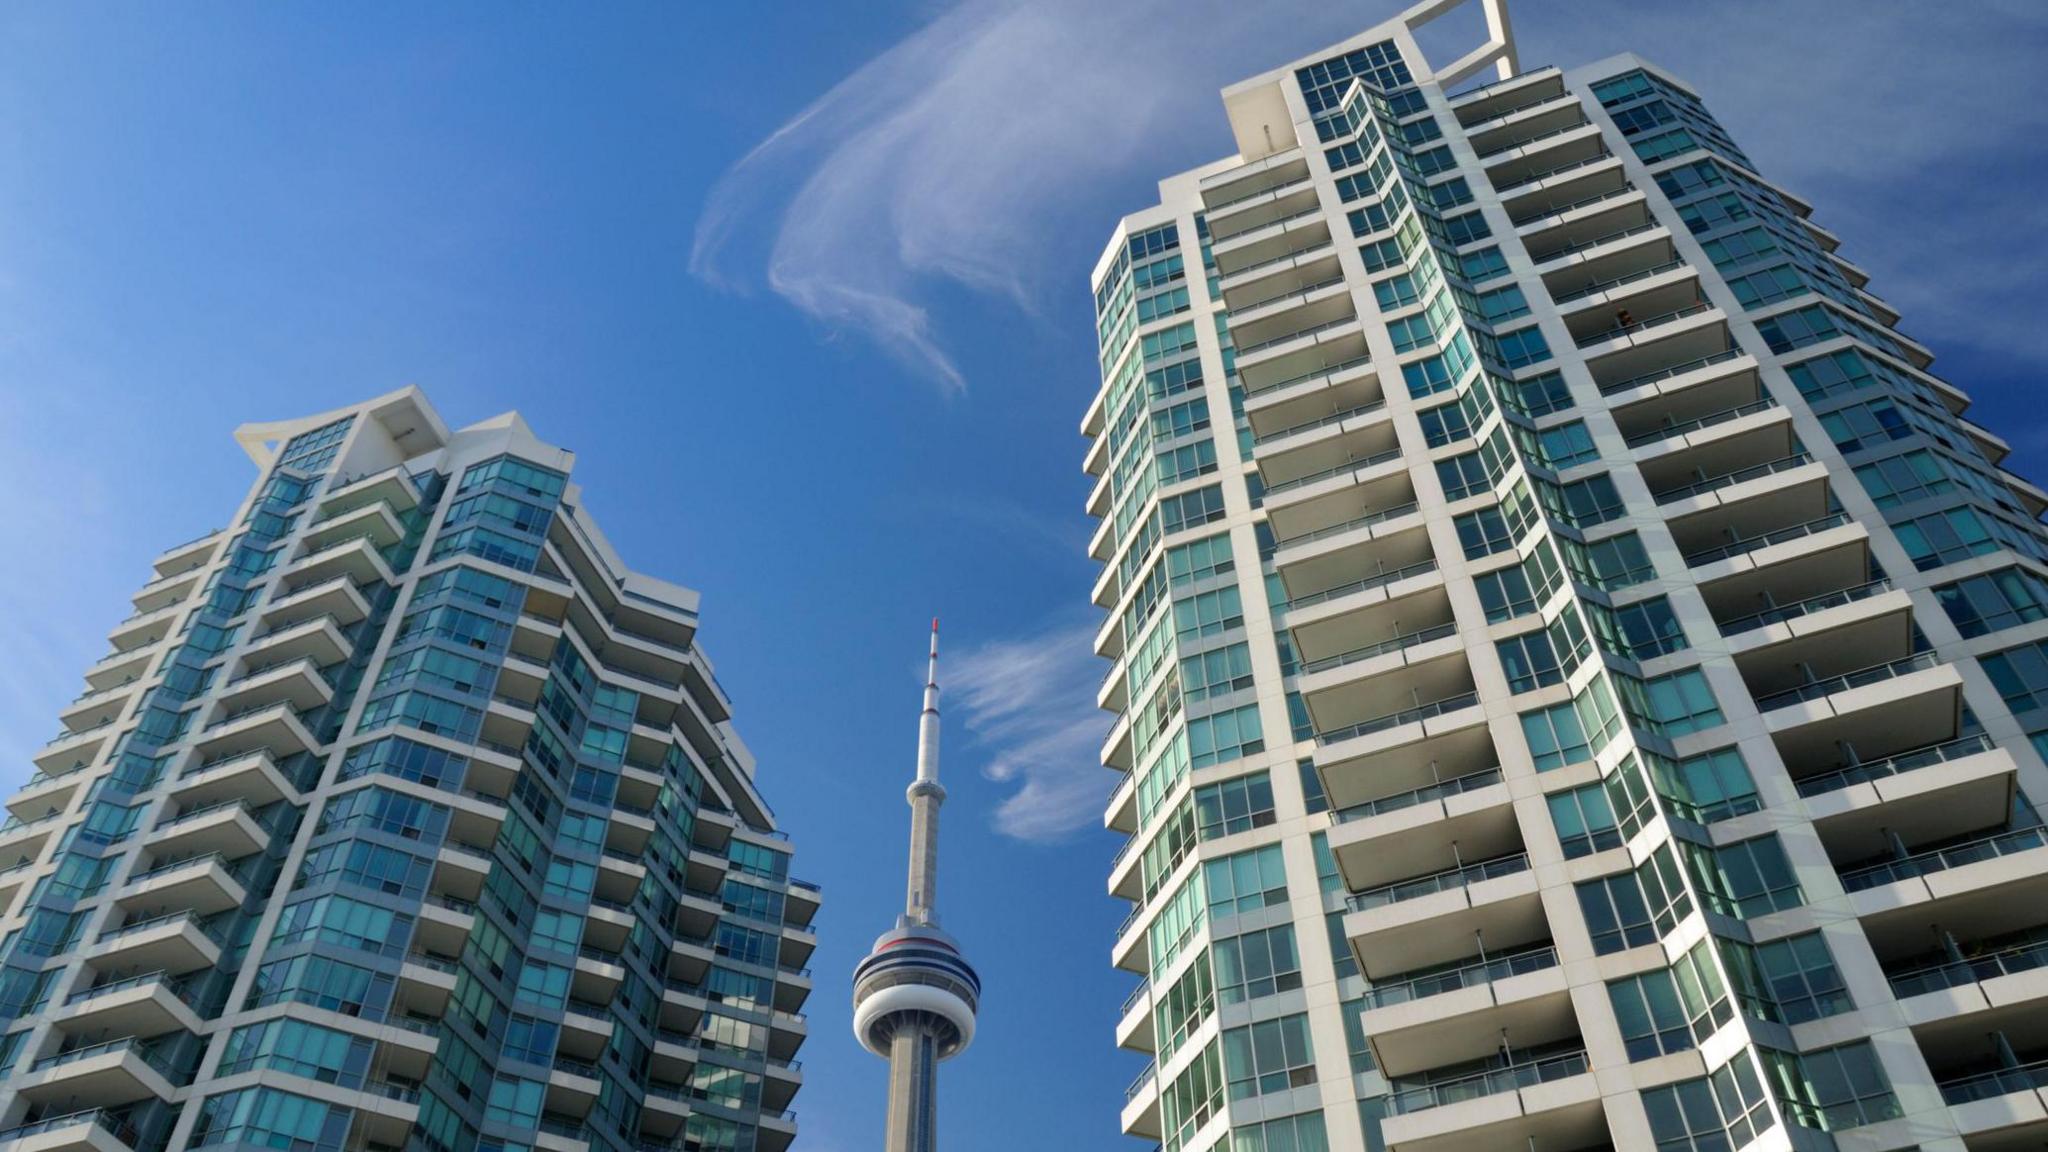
1176	923
1582	503
1630	909
1503	304
1191	509
1612	564
1523	347
2020	675
1671	1009
1715	1113
1217	672
1192	1098
1246	881
1902	479
1705	788
1671	705
1182	1008
266	1117
1234	806
2006	598
1867	425
1944	538
1555	736
1602	815
1833	1089
1225	736
1639	631
1539	395
1788	981
1560	447
1745	879
1529	661
1199	560
1257	964
1303	1133
1271	1056
1512	591
1208	614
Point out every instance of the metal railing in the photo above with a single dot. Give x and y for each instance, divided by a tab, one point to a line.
1502	190
1618	281
185	915
1396	719
1287	187
1829	685
1420	636
100	1118
1481	1084
123	1046
2022	957
1595	242
1555	213
1306	255
1356	464
1356	522
1273	227
1290	337
1940	860
2001	1082
1823	782
1400	991
1144	1078
1444	881
1728	479
1708	421
1721	357
1237	314
1805	607
1744	544
1457	786
1657	321
177	987
1511	145
1374	581
1311	374
1333	418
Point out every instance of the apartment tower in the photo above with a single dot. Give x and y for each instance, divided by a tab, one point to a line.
1580	680
401	814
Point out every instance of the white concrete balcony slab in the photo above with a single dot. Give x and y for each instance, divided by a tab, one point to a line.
1524	996
150	1004
250	776
1922	797
319	640
357	558
1386	844
335	597
229	829
117	668
1432	919
1564	1112
177	943
90	1130
392	487
272	727
102	1075
203	884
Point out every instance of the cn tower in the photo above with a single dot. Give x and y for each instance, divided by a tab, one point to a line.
915	995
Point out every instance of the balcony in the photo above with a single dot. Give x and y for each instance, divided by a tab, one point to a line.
1957	962
1358	516
1420	614
296	681
117	668
1553	191
68	752
1786	663
184	557
273	727
108	1074
1282	238
373	521
24	839
1282	277
1504	97
1421	752
178	943
150	1004
1799	609
1516	127
1141	1104
1316	393
1928	796
253	777
1380	693
1248	181
1249	209
1547	151
1736	513
1545	1097
1380	844
1596	234
92	1130
319	640
1305	351
203	884
356	557
1323	440
1429	920
335	597
1913	865
143	629
43	796
392	487
230	828
1452	1015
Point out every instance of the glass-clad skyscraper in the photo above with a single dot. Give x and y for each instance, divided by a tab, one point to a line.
400	815
1580	680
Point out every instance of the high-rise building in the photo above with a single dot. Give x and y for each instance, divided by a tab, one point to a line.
915	996
401	815
1581	682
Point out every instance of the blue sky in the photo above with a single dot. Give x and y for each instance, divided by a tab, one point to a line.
805	286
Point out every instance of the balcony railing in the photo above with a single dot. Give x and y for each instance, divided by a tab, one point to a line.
1828	686
1237	314
1334	418
1481	1084
1275	191
1354	465
1552	214
2022	957
1765	539
1925	863
1310	253
100	1118
1618	281
1366	521
1893	765
1290	337
1138	1085
1536	139
1374	581
1132	1000
1597	241
138	926
178	988
1657	321
1421	636
1396	719
1729	479
1708	421
1311	374
1547	173
1402	991
1805	607
1721	357
123	1046
1445	881
1988	1085
1471	782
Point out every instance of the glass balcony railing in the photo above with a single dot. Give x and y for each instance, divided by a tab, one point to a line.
1333	418
1940	860
1275	342
1311	374
1410	640
1667	431
1380	516
1729	479
1471	782
1744	544
1396	719
1399	990
1876	674
1988	1085
1805	607
1375	581
2020	957
1445	881
114	1125
1352	465
1892	765
1596	288
1482	1084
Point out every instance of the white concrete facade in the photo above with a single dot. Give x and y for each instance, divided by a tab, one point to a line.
1556	507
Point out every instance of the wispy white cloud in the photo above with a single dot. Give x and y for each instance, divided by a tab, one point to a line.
993	148
1029	704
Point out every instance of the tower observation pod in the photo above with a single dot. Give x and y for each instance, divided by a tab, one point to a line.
915	996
